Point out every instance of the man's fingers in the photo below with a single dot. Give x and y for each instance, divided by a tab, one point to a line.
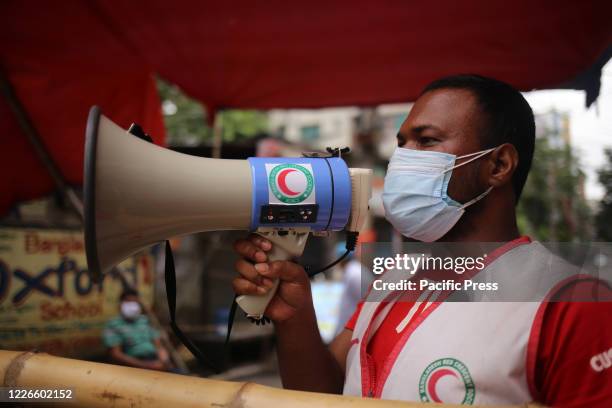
260	241
251	272
245	287
286	271
247	270
247	249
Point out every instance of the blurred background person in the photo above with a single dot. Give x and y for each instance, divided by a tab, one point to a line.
130	338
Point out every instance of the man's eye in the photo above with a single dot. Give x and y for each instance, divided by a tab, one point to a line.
428	141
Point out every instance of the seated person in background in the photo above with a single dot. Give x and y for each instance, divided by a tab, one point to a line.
131	340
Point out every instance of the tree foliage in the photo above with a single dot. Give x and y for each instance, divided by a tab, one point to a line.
186	119
552	206
603	220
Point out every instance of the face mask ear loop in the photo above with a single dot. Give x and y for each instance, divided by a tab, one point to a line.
477	155
481	152
475	200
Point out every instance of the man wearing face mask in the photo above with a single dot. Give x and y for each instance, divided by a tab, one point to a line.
131	340
463	156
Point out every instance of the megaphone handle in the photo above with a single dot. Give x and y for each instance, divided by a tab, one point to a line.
284	247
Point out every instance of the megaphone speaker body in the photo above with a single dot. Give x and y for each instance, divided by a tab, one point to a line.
138	194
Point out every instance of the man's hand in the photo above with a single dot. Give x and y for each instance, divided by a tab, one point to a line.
155	365
118	356
305	362
257	275
162	354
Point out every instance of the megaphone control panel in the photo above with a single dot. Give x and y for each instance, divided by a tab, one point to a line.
282	214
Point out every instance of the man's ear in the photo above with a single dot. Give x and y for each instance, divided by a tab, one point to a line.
502	163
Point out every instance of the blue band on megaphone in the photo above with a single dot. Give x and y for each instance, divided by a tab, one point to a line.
300	192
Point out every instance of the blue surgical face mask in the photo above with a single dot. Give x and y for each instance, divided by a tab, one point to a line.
130	310
415	195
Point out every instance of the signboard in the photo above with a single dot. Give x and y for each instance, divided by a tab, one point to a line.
48	300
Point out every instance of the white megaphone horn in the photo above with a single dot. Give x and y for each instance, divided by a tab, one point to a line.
137	194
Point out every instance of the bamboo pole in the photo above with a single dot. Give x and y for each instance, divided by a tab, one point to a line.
103	385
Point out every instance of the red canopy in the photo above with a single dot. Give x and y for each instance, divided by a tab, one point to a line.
63	57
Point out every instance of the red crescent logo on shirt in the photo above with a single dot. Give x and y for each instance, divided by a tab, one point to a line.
432	390
433	381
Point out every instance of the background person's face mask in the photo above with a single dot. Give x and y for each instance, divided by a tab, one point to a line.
415	194
130	310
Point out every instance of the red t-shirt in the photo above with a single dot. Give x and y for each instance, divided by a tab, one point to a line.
570	347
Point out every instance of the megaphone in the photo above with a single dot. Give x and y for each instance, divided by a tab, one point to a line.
137	194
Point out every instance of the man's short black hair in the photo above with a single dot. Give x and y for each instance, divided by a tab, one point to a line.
509	118
127	292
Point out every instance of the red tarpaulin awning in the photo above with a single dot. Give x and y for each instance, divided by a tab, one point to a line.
63	57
